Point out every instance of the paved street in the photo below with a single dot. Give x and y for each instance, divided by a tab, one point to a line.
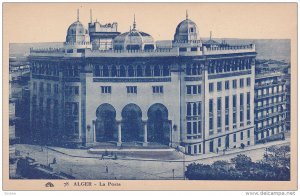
89	166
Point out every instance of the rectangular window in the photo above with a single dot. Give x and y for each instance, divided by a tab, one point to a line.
56	88
234	101
241	116
227	85
226	102
199	108
241	99
189	109
41	87
193	49
234	85
34	86
182	49
234	118
234	137
227	119
219	142
211	87
242	83
76	90
219	86
248	133
189	89
219	104
199	89
248	98
248	114
195	89
106	89
199	127
189	127
211	123
194	127
219	121
131	89
211	106
158	89
242	135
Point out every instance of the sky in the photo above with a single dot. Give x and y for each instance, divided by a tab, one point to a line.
48	22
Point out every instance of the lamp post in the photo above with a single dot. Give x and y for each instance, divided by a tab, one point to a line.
183	165
173	170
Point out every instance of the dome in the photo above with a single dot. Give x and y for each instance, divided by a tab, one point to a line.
77	33
134	40
186	30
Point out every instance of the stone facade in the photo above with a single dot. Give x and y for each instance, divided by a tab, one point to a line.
191	96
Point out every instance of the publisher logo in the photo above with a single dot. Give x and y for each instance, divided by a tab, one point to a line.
49	184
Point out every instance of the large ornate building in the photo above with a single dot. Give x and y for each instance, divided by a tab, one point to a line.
112	87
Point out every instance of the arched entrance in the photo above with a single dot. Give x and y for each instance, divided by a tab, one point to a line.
132	127
158	124
106	128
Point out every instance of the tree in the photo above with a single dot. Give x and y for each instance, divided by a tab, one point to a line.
242	162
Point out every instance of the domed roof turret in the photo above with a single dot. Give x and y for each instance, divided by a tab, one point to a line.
186	30
77	33
134	40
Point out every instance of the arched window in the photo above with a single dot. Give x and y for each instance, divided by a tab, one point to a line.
130	71
189	109
122	71
139	71
194	70
156	70
148	70
113	71
188	70
105	71
199	70
96	70
166	71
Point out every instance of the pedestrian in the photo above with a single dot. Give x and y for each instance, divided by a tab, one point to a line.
224	151
217	150
54	161
106	169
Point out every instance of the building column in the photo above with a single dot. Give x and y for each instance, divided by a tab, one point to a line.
161	70
171	132
145	143
135	71
144	70
94	130
152	70
119	143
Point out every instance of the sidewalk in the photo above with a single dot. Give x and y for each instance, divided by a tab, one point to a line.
186	158
189	158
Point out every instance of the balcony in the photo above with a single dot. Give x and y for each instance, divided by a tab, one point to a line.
229	49
271	84
269	95
276	124
269	115
269	105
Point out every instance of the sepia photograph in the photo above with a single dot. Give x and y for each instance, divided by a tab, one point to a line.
104	93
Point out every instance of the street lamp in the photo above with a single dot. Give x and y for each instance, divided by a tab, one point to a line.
173	170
